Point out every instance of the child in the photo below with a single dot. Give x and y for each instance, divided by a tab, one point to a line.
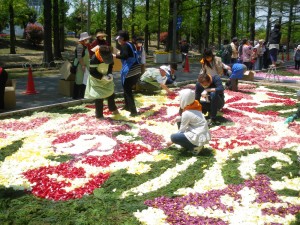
296	115
193	132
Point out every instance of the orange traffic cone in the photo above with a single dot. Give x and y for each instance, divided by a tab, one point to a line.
30	84
186	64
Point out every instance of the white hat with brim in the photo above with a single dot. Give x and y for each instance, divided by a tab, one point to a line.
165	68
84	36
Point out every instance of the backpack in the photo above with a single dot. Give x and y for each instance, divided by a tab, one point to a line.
83	52
227	51
73	68
137	55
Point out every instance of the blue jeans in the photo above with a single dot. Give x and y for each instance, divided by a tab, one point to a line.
180	139
273	54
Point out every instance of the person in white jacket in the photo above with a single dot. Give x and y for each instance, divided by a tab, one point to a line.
193	132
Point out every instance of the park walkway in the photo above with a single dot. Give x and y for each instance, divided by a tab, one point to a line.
48	95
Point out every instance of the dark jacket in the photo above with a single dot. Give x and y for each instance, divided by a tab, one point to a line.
275	36
216	83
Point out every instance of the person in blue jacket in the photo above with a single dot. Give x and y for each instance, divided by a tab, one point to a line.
237	72
211	90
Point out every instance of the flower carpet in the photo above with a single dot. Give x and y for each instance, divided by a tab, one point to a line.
63	166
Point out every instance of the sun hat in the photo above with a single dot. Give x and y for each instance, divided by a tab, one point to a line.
165	68
101	34
84	36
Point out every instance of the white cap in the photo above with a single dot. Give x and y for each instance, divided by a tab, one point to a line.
165	68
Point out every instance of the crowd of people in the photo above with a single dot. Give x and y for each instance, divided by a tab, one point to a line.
199	107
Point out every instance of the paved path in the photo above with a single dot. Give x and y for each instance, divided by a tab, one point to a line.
47	88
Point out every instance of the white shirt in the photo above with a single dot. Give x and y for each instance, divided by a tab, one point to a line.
195	128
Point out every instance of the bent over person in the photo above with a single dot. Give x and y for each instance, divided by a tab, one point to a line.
211	89
155	79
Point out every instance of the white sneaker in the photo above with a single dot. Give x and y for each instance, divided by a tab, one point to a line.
197	150
175	83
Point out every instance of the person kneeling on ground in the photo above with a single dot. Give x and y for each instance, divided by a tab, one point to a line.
296	115
211	89
156	79
100	84
238	71
193	132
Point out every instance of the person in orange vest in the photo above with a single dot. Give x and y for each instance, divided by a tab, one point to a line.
3	80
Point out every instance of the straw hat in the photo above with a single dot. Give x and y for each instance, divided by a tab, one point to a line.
84	36
101	34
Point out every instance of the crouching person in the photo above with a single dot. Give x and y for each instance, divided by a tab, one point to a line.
193	132
238	71
156	79
100	85
211	89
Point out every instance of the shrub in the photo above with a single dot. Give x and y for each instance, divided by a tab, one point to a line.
34	33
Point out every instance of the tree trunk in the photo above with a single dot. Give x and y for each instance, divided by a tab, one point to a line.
12	28
268	28
48	55
158	26
89	17
132	17
200	27
207	22
234	18
119	21
108	21
220	23
170	27
281	10
291	15
57	54
248	17
62	13
252	19
102	12
147	26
